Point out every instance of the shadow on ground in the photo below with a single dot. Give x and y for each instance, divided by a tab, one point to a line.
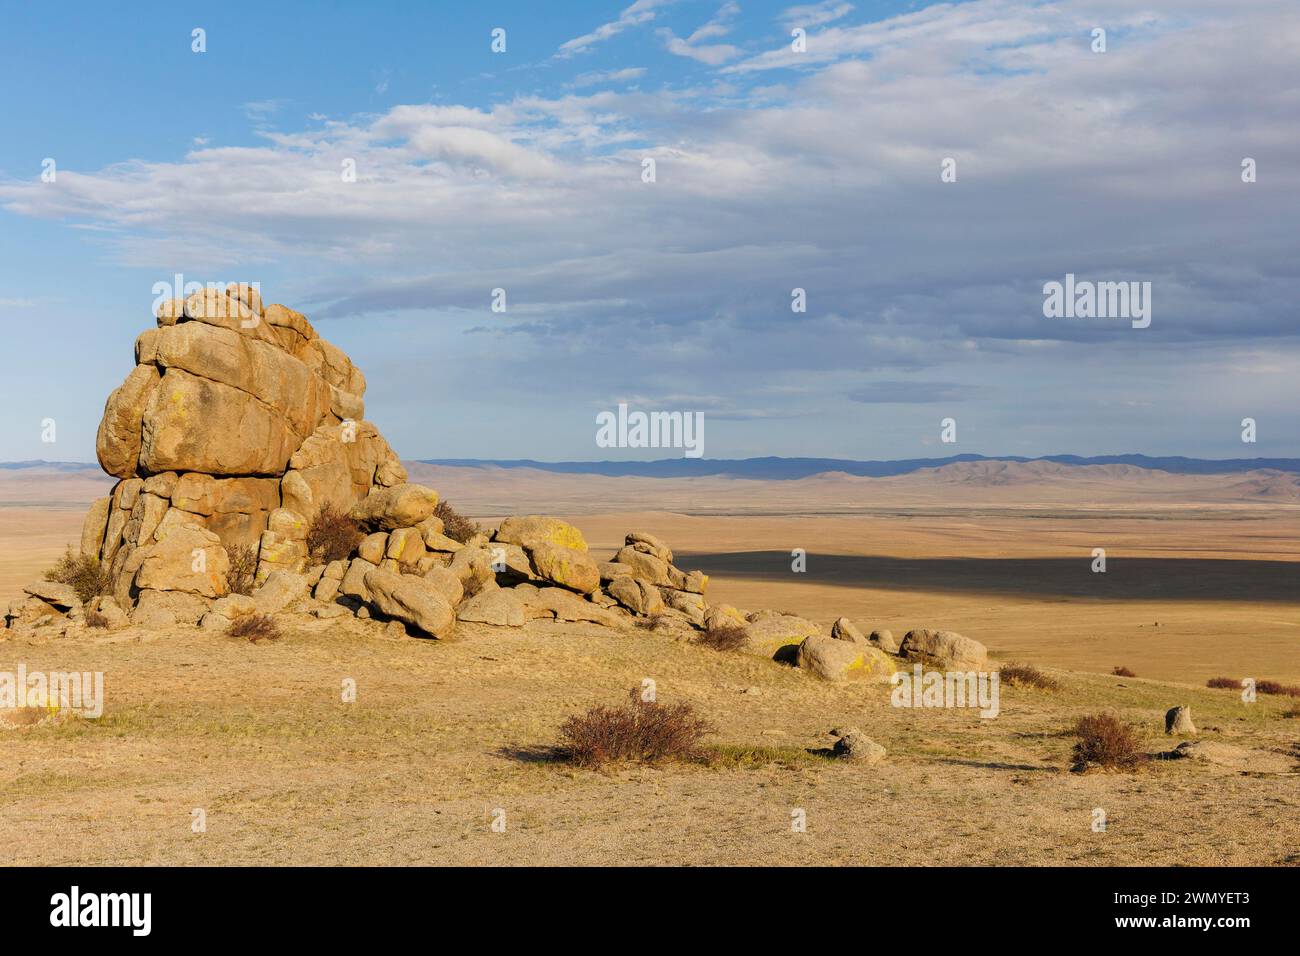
1125	579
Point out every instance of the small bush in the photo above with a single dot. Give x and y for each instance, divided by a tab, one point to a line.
1025	675
723	637
1273	687
332	535
255	627
243	569
1224	682
454	524
642	731
1123	672
82	572
95	619
1106	741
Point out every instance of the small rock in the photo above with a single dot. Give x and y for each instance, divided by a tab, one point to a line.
853	744
1178	720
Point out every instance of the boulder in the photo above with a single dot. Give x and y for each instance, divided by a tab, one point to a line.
840	661
61	596
405	546
883	638
649	544
1178	720
498	606
94	526
188	559
280	591
647	567
401	506
946	649
567	567
529	531
845	630
769	634
117	445
718	616
688	603
353	584
412	600
637	596
448	584
853	744
165	608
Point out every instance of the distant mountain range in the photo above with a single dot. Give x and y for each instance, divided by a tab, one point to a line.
785	469
789	469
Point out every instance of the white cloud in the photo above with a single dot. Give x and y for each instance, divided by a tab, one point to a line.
643	11
602	77
815	14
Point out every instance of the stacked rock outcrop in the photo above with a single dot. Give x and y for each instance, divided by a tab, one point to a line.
236	425
240	428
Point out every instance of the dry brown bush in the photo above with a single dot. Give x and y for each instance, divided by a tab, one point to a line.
454	524
641	731
243	569
1121	671
255	627
82	572
1026	675
332	535
724	637
1106	741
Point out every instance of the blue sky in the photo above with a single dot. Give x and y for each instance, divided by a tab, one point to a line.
776	169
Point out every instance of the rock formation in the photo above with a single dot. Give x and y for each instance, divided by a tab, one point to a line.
239	424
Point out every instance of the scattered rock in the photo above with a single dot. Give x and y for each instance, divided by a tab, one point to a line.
499	606
411	599
946	649
1178	720
845	630
853	744
839	661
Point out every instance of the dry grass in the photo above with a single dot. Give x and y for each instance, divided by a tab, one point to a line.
243	569
1108	742
454	524
255	627
1226	683
332	535
726	637
82	572
1026	675
640	731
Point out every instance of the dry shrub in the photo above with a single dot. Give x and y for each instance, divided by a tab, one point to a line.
1106	741
332	535
95	619
1026	675
255	627
723	637
1224	682
1121	671
454	524
1273	687
243	569
642	731
82	572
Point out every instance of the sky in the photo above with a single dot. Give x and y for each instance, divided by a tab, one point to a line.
775	168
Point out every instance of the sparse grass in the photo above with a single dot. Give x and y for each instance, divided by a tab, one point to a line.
1026	675
750	757
255	627
1121	671
454	524
640	731
1106	741
82	572
725	637
243	569
332	535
